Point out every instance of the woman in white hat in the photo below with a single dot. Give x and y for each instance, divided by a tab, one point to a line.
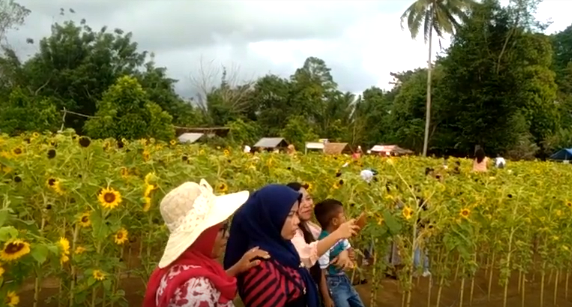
188	273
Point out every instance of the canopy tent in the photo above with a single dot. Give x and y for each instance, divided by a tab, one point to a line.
562	155
390	150
190	137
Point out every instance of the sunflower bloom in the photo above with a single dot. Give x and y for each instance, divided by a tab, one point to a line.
17	151
226	152
149	178
121	236
124	172
569	204
146	155
465	213
173	142
407	213
14	249
147	205
98	275
109	198
308	186
79	250
12	299
55	185
65	249
222	187
148	189
84	220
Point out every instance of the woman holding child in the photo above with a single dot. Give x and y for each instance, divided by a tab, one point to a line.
310	247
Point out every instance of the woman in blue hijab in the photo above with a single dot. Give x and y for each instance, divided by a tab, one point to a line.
269	220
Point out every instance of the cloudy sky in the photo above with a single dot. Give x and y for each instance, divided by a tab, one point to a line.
361	40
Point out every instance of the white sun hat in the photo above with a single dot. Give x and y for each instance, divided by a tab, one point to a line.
190	209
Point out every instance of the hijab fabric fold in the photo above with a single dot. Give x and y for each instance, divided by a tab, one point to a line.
198	254
259	223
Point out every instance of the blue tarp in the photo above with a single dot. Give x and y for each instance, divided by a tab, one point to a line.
562	154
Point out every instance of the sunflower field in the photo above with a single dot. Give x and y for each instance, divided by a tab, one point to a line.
84	213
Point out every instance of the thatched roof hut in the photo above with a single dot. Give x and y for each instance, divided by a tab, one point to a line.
337	148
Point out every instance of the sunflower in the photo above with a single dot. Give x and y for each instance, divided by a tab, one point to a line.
569	204
407	213
51	153
14	249
308	186
54	184
465	213
146	155
84	141
35	135
226	152
12	299
337	185
148	189
85	220
222	187
121	236
98	275
64	245
149	178
17	151
79	250
124	172
147	205
173	142
109	198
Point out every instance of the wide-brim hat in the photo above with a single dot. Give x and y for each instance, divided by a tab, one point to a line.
190	209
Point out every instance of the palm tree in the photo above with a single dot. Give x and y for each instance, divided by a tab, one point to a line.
441	16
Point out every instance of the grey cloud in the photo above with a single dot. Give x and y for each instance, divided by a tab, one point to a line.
180	32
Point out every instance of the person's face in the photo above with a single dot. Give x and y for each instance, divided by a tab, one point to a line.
339	219
291	224
220	241
306	206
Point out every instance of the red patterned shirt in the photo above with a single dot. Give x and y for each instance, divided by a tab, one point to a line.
196	292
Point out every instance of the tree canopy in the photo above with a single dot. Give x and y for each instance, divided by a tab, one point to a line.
502	84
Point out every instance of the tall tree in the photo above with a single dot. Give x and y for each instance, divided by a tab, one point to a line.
12	15
441	17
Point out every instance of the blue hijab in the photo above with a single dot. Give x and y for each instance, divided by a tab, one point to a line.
259	223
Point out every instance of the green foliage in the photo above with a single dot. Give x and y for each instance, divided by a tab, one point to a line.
242	132
22	112
297	131
126	112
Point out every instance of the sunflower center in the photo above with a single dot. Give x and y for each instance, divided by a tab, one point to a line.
109	197
13	248
17	151
120	236
52	181
85	219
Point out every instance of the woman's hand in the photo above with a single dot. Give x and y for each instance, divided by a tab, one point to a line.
328	302
347	229
248	261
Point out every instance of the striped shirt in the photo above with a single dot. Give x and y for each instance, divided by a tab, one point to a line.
270	285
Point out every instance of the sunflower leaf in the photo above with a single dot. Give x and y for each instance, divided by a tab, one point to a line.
3	216
40	253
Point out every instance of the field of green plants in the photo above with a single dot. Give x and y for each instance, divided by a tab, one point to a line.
74	209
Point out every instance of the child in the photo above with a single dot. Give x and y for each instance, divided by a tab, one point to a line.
330	215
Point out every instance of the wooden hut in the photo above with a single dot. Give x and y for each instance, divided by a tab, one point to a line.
337	148
271	144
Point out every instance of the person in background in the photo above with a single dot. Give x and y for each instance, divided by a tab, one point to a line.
368	175
500	162
480	162
356	155
330	215
269	219
188	273
247	149
310	249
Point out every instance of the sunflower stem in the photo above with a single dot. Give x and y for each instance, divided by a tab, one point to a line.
73	268
38	278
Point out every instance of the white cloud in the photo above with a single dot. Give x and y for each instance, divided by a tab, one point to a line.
362	41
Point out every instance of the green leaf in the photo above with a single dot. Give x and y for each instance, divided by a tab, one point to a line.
3	217
107	284
90	281
40	253
392	224
7	233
